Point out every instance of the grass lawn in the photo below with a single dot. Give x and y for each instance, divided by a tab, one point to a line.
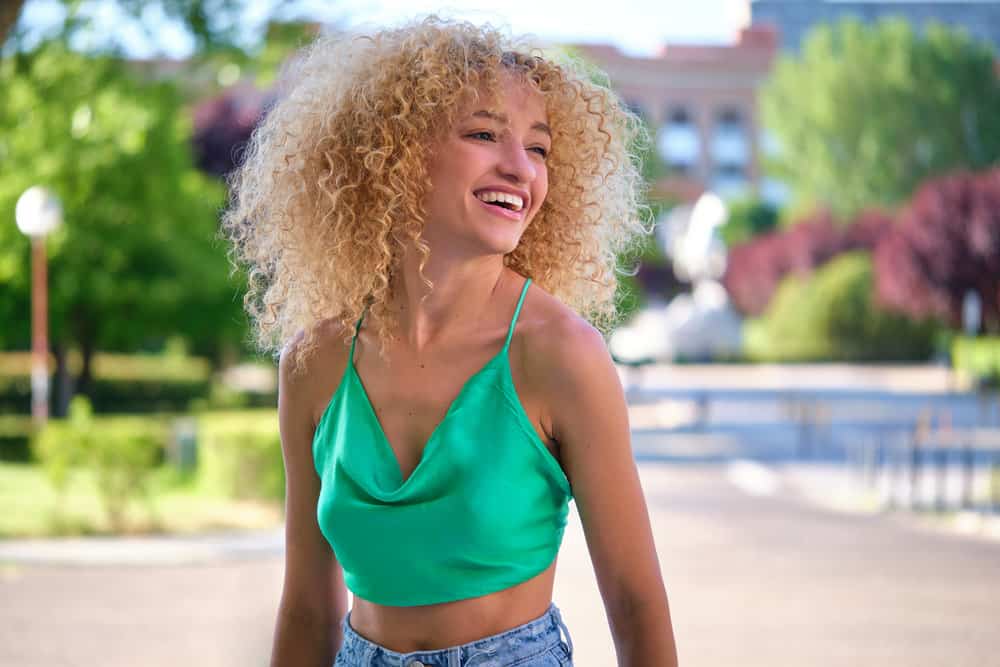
29	507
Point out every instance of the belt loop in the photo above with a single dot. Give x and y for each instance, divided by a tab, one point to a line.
562	626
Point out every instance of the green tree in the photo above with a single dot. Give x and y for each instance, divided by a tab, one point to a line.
748	217
212	24
833	315
867	112
225	44
137	258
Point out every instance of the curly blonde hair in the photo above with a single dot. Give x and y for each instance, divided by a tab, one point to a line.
331	186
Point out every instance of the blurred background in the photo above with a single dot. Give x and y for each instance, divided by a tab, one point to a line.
809	340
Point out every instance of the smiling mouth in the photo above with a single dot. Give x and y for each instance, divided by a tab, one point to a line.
505	200
503	212
502	204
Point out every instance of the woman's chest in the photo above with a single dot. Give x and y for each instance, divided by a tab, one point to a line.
413	402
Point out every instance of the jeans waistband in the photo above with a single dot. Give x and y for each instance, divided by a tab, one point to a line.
522	641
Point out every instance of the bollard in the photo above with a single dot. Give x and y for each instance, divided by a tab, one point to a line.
969	476
893	473
805	429
867	456
882	461
821	421
914	477
703	411
871	462
940	460
920	433
995	481
183	445
904	462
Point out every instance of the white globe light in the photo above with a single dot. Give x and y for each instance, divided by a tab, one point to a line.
38	211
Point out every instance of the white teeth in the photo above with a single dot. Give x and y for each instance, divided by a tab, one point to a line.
491	196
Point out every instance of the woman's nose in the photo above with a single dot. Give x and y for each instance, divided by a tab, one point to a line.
515	163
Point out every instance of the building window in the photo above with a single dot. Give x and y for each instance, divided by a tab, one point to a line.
677	142
774	192
730	180
729	139
770	145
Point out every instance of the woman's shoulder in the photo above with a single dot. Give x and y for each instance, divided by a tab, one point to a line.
567	366
321	343
556	342
312	365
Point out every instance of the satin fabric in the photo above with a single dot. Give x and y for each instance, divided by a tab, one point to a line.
485	509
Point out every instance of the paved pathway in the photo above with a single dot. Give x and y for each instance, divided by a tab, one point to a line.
753	580
768	581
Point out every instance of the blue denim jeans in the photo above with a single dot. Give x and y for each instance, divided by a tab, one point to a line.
537	643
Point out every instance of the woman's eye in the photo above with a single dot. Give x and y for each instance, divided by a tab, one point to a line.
485	135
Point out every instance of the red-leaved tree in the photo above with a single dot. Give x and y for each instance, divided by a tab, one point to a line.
222	127
755	269
946	242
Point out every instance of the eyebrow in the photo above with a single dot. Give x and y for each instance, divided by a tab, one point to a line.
502	118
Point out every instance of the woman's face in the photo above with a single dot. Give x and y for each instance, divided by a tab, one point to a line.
488	174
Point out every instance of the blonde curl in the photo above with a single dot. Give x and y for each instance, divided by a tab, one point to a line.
329	192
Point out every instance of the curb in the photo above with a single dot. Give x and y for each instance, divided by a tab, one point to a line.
829	486
200	548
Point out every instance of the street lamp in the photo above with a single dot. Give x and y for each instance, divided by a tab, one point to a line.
38	212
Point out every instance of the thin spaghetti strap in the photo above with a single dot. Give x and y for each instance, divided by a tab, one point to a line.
517	311
354	338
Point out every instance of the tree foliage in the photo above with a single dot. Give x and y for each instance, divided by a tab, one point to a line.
213	25
748	218
222	127
224	122
867	112
946	243
833	315
755	269
225	45
136	259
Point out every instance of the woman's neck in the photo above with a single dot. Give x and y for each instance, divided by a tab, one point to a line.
462	294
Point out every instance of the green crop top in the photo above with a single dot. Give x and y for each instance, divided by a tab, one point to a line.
484	510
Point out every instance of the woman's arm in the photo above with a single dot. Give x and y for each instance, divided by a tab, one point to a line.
589	420
314	598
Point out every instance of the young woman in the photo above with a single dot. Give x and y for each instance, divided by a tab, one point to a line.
429	217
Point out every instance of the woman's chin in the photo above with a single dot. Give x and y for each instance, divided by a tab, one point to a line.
504	246
481	240
496	241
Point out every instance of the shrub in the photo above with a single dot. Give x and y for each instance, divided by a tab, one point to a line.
978	357
15	438
121	452
947	243
832	316
748	218
121	383
755	269
239	454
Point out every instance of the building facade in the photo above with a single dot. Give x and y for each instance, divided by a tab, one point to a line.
701	102
794	18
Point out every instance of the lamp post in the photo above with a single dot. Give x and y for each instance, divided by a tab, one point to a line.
38	212
972	312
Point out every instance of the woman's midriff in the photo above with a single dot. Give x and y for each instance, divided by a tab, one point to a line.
437	626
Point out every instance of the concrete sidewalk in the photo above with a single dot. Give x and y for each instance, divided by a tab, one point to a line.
145	550
833	487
